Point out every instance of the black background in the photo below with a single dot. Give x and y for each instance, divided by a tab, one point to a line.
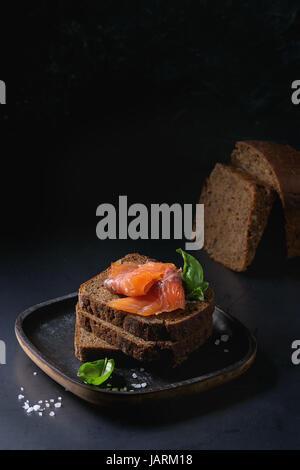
138	98
142	98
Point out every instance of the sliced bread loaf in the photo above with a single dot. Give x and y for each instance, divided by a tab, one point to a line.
168	352
236	210
89	347
93	298
279	167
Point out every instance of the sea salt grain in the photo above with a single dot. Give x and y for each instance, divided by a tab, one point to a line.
143	385
57	405
217	342
134	375
30	409
136	385
20	397
22	389
36	407
26	406
35	373
226	350
47	405
224	338
59	398
52	401
41	401
51	413
40	414
142	369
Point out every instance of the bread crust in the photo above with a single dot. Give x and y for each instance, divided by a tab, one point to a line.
284	162
261	198
169	352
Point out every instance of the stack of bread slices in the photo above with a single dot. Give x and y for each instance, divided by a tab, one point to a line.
238	199
169	337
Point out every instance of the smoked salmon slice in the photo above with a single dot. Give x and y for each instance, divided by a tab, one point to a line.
133	279
165	295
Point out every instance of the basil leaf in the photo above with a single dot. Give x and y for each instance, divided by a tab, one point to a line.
96	372
193	276
196	294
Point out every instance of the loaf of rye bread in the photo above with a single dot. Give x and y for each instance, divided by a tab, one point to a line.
89	347
279	167
168	352
236	210
93	298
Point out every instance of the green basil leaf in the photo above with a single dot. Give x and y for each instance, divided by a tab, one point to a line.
197	294
96	372
193	276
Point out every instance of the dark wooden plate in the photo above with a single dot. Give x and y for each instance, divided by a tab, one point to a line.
46	334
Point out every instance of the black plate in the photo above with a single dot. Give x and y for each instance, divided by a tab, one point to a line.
46	333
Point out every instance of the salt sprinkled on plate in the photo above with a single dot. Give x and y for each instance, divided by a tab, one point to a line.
224	338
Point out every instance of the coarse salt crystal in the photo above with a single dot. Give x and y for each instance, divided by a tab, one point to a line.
217	342
30	409
35	373
52	401
57	405
142	369
226	350
41	401
51	413
22	389
134	375
36	407
136	385
20	397
224	338
26	406
144	385
59	398
40	414
47	405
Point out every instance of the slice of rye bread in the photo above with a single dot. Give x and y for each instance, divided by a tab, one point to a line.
168	352
89	347
236	211
94	297
278	166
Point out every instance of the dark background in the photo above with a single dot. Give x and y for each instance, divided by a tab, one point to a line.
143	98
138	98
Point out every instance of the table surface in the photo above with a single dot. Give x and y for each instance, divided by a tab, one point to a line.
260	410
